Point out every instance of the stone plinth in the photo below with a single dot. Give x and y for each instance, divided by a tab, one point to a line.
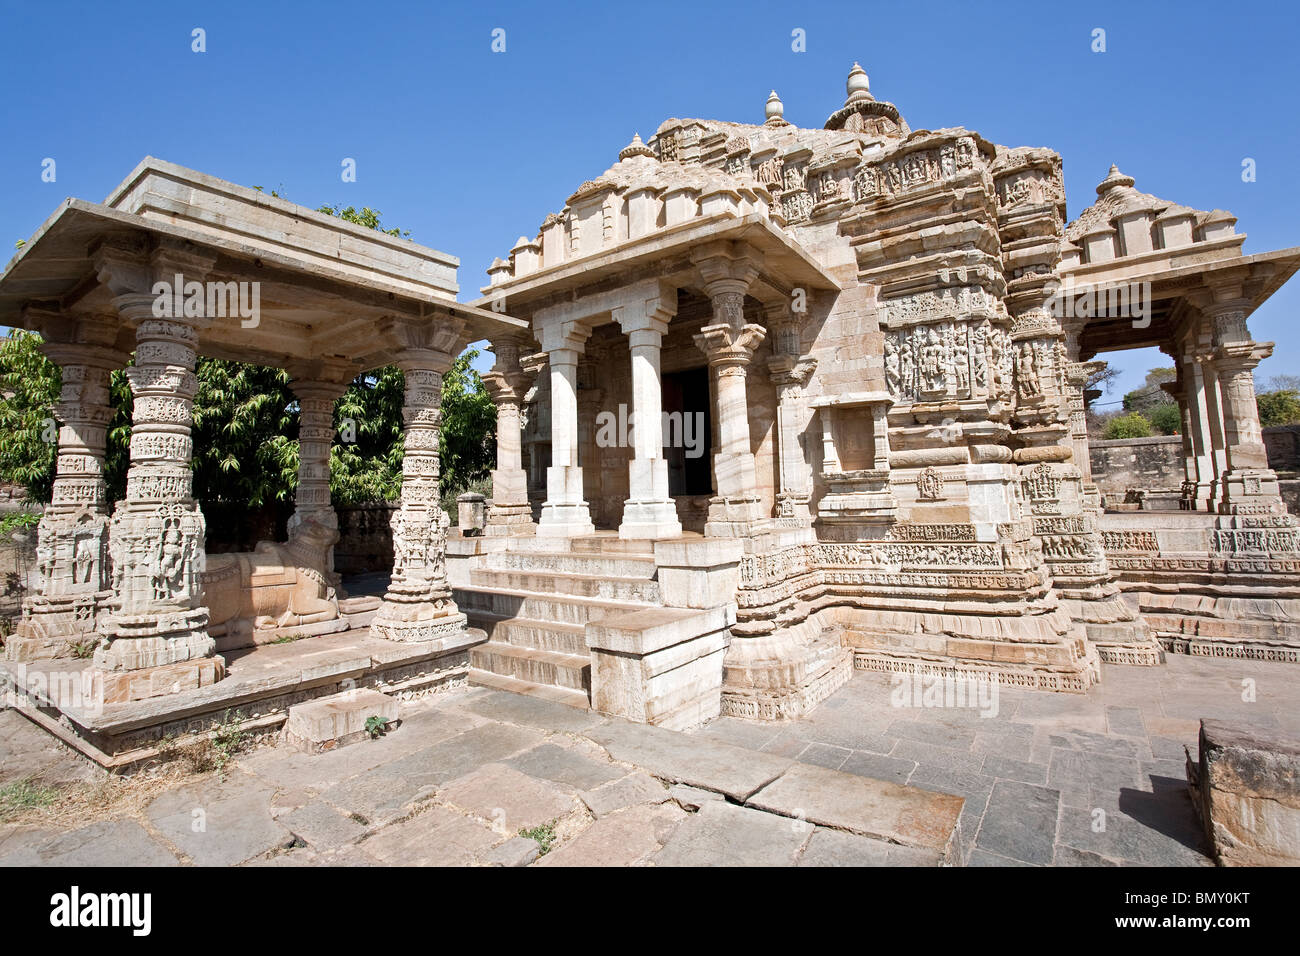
1246	789
659	666
332	722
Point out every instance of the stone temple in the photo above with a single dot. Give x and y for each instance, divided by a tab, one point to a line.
773	404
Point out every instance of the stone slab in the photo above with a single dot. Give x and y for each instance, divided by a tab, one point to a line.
631	790
322	826
723	834
436	837
219	825
690	759
507	799
835	848
875	808
626	838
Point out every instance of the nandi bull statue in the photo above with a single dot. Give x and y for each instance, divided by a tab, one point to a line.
255	596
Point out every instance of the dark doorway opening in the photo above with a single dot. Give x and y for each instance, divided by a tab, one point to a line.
688	433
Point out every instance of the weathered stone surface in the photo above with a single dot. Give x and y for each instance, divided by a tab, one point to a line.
691	760
221	825
1020	822
436	837
106	843
322	826
631	790
517	851
874	808
336	721
1246	789
723	834
626	838
835	848
508	799
565	765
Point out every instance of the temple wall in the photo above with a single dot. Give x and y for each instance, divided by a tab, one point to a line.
1150	464
1156	463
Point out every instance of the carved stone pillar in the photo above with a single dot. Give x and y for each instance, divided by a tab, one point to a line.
507	383
418	605
729	343
318	388
157	630
1204	494
790	374
72	538
566	513
1076	378
649	511
1249	485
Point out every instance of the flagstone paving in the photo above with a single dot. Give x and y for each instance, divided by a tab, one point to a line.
1049	779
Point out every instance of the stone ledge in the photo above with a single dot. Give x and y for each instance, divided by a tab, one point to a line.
328	723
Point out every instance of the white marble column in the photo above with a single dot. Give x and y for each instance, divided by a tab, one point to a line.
565	513
649	511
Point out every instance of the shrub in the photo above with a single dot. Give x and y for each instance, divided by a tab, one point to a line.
1132	425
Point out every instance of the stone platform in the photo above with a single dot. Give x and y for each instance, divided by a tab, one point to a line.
261	684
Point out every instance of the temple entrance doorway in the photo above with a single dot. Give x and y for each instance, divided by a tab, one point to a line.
688	434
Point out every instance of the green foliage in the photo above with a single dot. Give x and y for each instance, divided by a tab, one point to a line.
85	650
29	387
1132	425
18	520
1166	418
544	834
469	426
243	415
370	218
25	794
369	468
1281	407
376	726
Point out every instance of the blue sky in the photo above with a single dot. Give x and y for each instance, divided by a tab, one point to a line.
468	149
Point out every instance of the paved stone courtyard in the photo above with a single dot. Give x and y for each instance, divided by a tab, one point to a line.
1052	779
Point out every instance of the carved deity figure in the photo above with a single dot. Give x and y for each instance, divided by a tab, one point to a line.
1027	371
169	572
892	374
932	370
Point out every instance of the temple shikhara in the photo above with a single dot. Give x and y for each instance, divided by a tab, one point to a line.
773	404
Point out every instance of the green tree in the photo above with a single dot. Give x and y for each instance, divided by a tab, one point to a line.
1281	407
1165	418
1132	425
243	417
29	387
1150	394
469	423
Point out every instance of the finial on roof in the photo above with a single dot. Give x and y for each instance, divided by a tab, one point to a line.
1113	180
774	110
635	148
857	85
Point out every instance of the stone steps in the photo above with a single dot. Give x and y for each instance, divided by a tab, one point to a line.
608	543
559	695
522	632
554	583
535	600
533	666
563	608
641	567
